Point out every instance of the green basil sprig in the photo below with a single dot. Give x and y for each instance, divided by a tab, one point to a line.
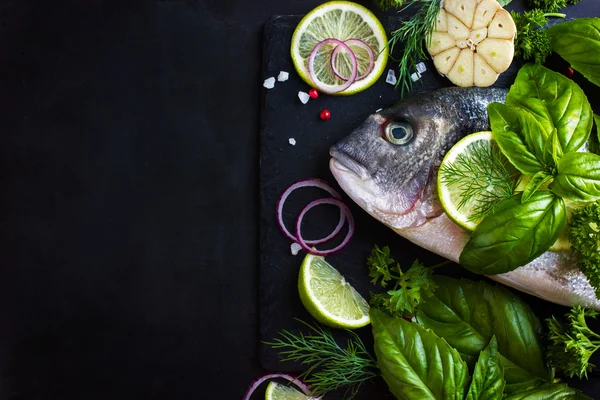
578	42
514	233
414	362
468	314
556	102
541	128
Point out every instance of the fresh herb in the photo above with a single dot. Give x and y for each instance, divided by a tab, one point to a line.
584	235
516	232
578	42
415	362
331	366
479	174
409	289
550	6
468	314
573	343
412	35
387	4
531	42
488	377
545	121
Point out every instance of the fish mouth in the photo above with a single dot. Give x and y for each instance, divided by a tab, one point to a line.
344	162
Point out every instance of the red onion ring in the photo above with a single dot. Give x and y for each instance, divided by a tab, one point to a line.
331	89
313	182
344	208
254	385
357	43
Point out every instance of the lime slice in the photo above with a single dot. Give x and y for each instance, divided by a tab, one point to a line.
341	20
473	177
277	391
328	297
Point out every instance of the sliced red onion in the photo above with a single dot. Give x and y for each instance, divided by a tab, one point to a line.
357	43
344	209
313	182
301	385
326	88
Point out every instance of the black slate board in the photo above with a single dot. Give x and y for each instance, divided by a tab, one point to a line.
281	164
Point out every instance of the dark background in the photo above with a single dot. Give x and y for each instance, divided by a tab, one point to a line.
129	148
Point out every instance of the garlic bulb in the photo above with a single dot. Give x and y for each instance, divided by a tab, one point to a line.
473	41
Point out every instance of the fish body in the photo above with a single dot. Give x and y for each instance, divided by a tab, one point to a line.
389	166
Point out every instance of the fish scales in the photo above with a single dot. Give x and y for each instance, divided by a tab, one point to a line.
396	183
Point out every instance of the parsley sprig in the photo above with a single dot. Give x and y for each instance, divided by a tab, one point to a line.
573	343
532	42
409	288
584	235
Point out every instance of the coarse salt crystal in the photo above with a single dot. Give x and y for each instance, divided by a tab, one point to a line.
283	76
391	77
295	248
421	67
269	83
292	141
304	97
415	76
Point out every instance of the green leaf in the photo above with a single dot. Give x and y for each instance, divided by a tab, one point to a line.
597	121
488	376
555	101
539	179
504	2
578	177
514	233
467	314
520	137
578	42
414	362
548	391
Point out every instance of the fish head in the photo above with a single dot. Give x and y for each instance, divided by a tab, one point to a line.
389	164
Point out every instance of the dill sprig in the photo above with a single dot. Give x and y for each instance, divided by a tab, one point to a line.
330	366
572	344
413	35
481	178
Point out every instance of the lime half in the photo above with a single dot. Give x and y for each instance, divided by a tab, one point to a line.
328	297
341	20
473	177
277	391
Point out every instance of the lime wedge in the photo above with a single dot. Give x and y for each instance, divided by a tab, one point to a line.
277	391
341	20
328	297
473	177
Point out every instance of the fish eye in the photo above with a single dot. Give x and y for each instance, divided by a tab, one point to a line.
399	133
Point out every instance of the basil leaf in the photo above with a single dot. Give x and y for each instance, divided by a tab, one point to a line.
503	2
549	391
519	136
597	121
578	42
534	184
556	102
514	233
488	376
467	314
414	362
578	177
